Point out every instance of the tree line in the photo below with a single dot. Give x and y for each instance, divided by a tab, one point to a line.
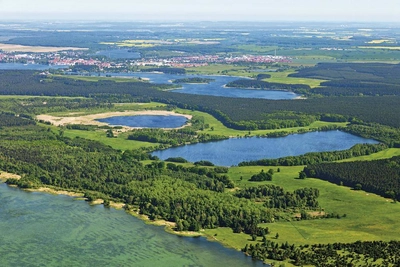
377	176
318	157
360	253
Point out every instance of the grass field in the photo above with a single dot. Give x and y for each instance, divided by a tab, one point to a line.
384	154
368	216
120	142
282	77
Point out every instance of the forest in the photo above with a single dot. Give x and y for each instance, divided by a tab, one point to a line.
193	80
352	79
368	253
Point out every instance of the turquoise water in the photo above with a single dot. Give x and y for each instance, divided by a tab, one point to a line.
39	229
235	150
146	121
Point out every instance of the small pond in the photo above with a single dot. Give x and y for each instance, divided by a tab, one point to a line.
235	150
146	121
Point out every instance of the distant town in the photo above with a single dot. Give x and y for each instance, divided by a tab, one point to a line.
73	58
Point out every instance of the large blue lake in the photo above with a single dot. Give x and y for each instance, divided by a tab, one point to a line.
20	66
235	150
146	121
40	229
215	88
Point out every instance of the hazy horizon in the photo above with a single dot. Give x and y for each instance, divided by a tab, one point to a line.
205	10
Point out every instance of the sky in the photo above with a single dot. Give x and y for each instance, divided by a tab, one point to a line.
212	10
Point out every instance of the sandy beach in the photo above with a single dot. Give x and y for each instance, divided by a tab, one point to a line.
5	175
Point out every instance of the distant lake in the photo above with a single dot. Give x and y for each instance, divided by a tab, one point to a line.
235	150
39	229
119	54
146	121
20	66
215	88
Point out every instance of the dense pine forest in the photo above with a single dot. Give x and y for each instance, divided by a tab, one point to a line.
329	255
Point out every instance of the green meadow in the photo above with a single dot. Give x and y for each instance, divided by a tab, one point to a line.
367	216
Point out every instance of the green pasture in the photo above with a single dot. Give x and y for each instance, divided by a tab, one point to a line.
368	216
119	142
282	77
384	154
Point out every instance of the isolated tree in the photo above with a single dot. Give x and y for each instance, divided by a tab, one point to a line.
302	175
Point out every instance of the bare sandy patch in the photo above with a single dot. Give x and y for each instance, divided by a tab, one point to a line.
98	201
56	192
169	226
117	205
6	175
314	214
35	49
91	119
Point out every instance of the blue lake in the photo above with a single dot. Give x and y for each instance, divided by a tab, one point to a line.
146	121
235	150
20	66
119	54
215	88
40	229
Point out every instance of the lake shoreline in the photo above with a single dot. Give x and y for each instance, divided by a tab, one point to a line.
168	226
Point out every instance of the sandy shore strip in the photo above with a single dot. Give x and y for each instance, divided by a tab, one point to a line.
6	175
35	49
91	119
55	192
